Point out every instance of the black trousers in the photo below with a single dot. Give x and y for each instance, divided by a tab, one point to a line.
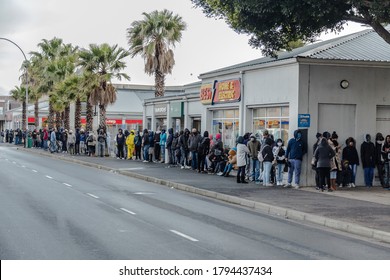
324	176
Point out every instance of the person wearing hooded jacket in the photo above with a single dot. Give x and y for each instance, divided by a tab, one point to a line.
130	144
386	157
171	153
294	156
351	156
323	155
138	145
379	161
268	157
242	152
163	142
367	154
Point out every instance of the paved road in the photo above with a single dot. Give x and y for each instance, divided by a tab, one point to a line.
50	209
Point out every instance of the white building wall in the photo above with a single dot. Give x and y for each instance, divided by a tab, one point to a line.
320	88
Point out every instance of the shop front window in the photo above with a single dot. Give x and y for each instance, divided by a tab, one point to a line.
226	122
274	119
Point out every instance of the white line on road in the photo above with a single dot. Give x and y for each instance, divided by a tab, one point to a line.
66	184
92	195
14	162
34	171
127	211
184	235
47	176
23	166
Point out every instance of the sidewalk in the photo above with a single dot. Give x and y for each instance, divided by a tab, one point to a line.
361	211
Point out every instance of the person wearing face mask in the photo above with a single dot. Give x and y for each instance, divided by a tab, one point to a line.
280	159
367	153
350	154
294	155
379	162
386	157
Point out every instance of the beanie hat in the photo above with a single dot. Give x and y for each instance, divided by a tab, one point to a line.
218	136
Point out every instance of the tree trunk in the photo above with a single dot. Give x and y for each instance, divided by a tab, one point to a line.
24	113
58	120
89	115
102	112
50	118
159	79
77	114
67	117
36	113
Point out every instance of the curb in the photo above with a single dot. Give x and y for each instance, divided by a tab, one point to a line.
291	214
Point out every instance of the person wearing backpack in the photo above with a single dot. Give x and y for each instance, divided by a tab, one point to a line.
175	148
194	141
203	150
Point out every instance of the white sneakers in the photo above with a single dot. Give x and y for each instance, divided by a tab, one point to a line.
288	185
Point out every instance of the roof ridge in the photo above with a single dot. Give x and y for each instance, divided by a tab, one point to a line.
335	43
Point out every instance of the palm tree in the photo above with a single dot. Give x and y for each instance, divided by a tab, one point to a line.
53	63
102	63
152	38
19	94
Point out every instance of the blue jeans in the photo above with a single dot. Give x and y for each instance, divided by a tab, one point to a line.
294	169
228	168
194	160
267	165
255	170
146	152
354	170
279	175
162	147
387	174
45	144
368	176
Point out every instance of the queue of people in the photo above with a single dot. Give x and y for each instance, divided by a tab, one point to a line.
256	158
336	167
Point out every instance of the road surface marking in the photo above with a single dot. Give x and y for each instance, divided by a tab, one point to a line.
67	185
92	195
143	193
23	166
131	168
34	171
184	235
127	211
47	176
14	162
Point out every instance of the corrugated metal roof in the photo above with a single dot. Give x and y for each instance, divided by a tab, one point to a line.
365	45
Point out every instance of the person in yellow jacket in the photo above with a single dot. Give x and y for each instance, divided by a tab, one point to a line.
130	144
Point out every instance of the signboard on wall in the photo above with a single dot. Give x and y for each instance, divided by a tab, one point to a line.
303	120
176	109
227	91
206	94
160	110
221	92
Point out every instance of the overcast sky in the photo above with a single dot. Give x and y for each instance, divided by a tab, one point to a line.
207	44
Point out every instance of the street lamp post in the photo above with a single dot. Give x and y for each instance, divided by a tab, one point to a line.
25	59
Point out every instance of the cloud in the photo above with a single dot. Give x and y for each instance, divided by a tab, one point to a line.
12	15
